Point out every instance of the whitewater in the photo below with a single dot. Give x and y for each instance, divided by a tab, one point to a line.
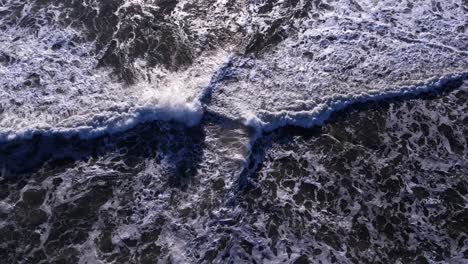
233	131
53	84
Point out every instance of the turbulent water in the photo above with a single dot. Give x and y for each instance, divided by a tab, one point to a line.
221	131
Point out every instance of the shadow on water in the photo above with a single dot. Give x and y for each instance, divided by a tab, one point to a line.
179	146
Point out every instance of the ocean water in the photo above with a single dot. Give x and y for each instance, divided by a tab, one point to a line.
233	131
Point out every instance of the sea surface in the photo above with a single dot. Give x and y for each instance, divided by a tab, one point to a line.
223	131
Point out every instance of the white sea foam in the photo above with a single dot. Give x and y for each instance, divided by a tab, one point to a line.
351	51
61	92
321	113
354	51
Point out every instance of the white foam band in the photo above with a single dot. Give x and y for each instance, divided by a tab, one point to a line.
322	112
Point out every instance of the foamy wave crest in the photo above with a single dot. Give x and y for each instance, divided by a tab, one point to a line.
51	85
268	121
112	122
